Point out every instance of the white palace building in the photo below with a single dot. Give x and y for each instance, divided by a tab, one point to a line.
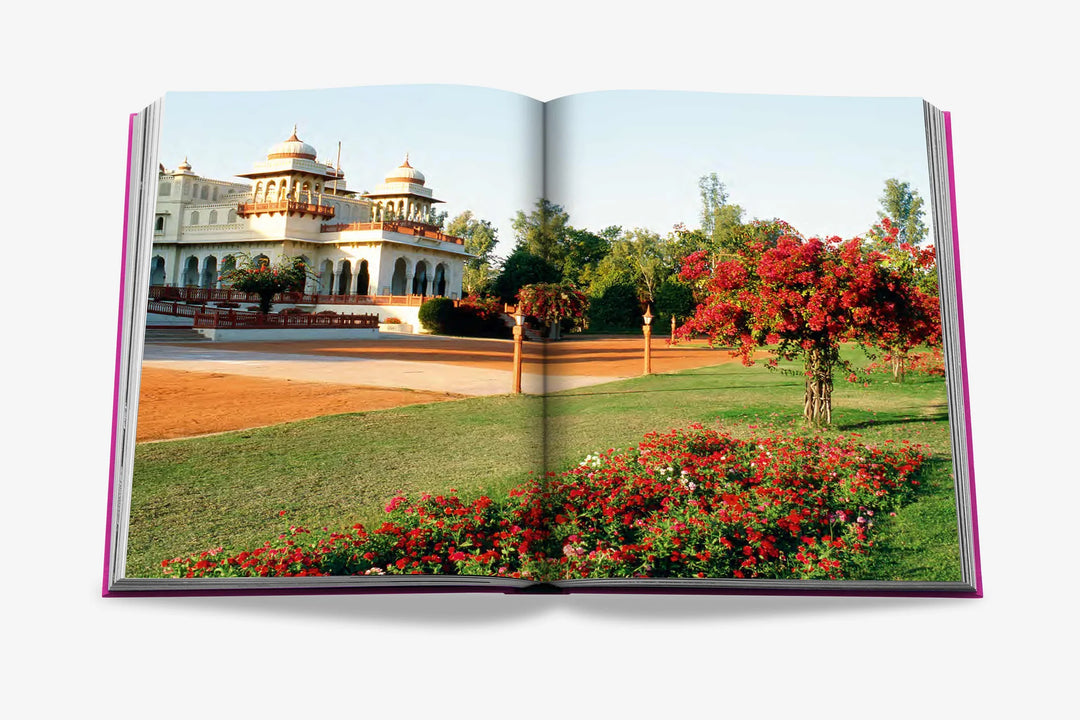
376	249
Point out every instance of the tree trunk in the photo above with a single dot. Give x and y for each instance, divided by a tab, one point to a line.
266	301
817	400
899	360
554	333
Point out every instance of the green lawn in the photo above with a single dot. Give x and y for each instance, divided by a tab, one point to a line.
334	471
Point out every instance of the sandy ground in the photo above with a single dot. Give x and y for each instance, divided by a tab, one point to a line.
615	356
198	389
179	403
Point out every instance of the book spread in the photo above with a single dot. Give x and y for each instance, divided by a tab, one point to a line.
416	338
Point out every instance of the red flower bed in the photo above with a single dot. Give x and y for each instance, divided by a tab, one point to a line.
695	503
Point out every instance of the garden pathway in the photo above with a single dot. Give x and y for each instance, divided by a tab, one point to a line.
415	375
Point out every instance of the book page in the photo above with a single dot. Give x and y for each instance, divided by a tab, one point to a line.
325	390
755	388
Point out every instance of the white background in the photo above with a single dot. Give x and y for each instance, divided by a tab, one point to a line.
73	74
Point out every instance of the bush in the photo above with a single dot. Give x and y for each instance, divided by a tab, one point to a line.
615	307
520	269
436	315
673	298
391	321
690	503
473	317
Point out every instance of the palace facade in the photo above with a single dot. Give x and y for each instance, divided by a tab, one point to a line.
379	243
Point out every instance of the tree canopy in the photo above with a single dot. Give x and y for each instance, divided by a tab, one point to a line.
719	218
480	237
542	232
257	275
901	204
805	297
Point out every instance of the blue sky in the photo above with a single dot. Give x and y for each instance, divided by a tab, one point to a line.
633	158
479	149
630	158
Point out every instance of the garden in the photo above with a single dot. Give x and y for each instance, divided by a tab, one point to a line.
825	454
302	488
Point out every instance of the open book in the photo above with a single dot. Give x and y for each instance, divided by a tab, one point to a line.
450	338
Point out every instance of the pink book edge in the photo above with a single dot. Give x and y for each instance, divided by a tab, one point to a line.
116	371
963	356
967	429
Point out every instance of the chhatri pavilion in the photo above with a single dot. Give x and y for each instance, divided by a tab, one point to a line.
379	243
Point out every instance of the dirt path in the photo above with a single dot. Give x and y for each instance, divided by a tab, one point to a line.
178	403
175	402
614	356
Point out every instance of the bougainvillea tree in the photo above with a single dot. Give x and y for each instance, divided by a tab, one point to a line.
918	266
551	303
806	297
257	275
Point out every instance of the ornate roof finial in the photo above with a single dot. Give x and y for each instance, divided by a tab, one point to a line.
406	163
293	138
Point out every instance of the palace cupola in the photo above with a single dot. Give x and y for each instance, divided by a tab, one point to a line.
402	196
293	181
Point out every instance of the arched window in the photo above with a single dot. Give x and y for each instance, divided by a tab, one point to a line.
397	282
205	192
326	277
213	217
344	278
191	272
209	272
194	218
231	218
420	279
439	281
362	279
159	224
157	270
228	264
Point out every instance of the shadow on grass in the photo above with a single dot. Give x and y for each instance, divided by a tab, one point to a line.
895	421
665	390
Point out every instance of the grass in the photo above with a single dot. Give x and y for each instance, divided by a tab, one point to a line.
227	489
337	470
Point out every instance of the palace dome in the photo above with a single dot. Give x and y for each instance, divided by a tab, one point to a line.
294	147
405	173
184	166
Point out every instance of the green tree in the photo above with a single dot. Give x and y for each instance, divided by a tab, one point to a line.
543	231
520	269
901	204
480	237
643	252
719	218
583	251
257	275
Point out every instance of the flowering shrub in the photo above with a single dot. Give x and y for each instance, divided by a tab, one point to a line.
551	303
473	316
806	297
257	275
929	363
693	503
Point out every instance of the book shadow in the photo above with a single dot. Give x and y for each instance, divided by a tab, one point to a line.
487	609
